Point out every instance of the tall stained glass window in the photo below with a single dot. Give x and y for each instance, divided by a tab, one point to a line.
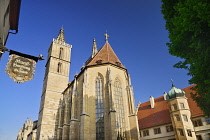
118	100
99	109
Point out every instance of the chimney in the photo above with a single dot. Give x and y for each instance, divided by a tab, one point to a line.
164	95
152	102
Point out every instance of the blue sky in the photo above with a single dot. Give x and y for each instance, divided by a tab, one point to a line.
137	35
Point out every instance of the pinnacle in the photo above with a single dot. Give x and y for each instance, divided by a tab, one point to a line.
61	35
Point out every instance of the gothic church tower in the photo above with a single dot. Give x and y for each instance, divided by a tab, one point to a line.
55	81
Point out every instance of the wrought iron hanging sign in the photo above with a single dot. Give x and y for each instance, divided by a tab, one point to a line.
21	67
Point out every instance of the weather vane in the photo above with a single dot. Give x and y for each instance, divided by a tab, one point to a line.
172	82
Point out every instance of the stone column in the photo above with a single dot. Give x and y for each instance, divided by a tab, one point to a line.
66	124
85	117
60	122
74	122
112	134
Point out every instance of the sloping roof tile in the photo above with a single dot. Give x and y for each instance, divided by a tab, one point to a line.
105	55
194	109
149	117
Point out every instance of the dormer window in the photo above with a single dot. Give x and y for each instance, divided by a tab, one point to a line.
118	63
99	61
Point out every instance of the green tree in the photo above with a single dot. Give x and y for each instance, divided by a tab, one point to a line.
188	24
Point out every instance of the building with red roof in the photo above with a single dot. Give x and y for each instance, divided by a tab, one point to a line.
173	116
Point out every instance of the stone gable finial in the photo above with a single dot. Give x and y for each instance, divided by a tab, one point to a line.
94	48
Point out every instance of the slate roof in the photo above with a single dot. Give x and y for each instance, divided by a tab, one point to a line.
105	55
159	115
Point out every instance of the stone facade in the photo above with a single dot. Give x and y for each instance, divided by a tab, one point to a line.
28	131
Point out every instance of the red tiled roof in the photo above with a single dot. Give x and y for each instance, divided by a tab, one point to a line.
194	109
105	55
159	115
149	117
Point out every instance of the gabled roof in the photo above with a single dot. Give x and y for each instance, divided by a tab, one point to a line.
159	115
150	117
105	55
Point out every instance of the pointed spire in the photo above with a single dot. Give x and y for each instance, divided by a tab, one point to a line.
94	48
106	37
61	35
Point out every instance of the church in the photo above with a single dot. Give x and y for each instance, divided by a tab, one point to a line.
99	103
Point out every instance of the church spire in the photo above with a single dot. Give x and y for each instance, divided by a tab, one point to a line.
61	35
94	48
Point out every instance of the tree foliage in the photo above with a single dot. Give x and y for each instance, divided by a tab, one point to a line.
188	24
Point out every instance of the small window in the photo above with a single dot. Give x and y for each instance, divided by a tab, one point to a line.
61	53
177	117
199	137
181	133
146	133
174	106
197	123
157	131
59	67
182	105
185	118
169	128
189	132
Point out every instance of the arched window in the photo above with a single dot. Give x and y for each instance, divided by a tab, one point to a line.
61	53
59	67
99	109
118	101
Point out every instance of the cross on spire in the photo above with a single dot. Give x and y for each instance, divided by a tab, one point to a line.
106	37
